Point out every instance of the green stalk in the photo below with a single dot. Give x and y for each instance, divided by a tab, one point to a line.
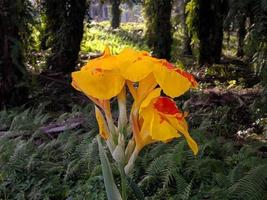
123	182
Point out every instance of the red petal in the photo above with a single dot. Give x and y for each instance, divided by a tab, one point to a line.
167	106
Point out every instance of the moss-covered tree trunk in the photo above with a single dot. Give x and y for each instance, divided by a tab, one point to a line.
65	25
116	13
158	24
187	50
241	34
12	70
210	30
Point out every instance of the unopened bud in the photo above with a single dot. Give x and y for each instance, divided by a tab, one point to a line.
118	154
121	140
129	149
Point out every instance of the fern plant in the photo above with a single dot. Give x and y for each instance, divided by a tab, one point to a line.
36	166
41	167
219	172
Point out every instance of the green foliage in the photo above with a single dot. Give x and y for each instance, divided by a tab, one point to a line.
220	171
254	182
97	36
36	166
24	18
255	41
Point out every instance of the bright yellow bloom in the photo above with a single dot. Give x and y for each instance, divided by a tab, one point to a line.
99	77
152	118
161	120
104	77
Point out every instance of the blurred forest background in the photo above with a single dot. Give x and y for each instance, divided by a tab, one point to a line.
47	129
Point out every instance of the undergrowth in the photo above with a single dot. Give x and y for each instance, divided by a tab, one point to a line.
97	36
65	165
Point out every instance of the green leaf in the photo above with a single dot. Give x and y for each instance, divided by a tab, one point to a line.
111	188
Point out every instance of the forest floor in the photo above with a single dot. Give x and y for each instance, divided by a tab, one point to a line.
48	148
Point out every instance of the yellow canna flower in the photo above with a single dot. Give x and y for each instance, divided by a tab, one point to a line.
104	77
161	120
138	65
99	77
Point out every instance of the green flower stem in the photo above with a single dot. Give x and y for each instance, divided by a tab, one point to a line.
123	182
131	161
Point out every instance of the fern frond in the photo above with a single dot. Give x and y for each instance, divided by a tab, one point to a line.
187	191
252	186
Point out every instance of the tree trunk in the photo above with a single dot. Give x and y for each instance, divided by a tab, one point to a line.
116	13
65	24
12	70
158	33
210	30
187	50
241	34
251	17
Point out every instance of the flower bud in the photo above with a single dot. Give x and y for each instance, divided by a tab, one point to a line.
129	149
118	154
121	140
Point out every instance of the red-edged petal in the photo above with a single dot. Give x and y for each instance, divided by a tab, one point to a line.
189	76
167	106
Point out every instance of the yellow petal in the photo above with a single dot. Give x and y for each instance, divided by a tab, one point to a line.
187	75
106	63
172	83
152	95
98	83
145	86
128	54
134	65
137	70
103	129
107	52
182	127
161	129
74	84
156	126
143	137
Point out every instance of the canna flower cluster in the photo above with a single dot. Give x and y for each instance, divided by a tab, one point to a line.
152	117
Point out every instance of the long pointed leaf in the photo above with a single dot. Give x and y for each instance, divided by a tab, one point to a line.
111	188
